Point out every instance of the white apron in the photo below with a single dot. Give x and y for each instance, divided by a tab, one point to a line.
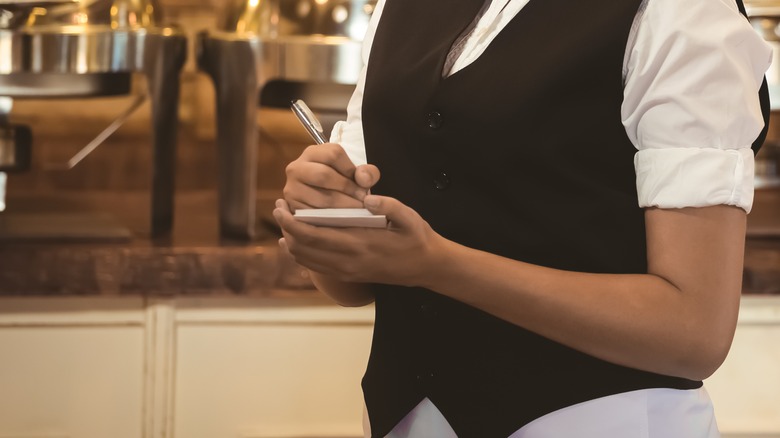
646	413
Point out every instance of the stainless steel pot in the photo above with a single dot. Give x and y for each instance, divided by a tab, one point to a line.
259	43
78	48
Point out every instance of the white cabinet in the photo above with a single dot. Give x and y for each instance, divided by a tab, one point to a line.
185	368
270	372
746	388
126	367
70	371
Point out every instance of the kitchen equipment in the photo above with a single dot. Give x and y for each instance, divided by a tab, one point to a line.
764	15
268	52
93	48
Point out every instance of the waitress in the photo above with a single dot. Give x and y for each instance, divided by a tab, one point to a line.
566	183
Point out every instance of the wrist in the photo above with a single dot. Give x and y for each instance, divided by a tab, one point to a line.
439	265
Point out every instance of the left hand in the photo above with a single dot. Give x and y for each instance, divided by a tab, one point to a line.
399	254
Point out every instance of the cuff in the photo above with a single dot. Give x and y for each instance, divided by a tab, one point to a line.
351	140
694	177
337	132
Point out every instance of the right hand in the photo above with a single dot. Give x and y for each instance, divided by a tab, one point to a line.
324	177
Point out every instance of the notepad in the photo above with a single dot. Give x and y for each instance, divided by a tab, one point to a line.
341	217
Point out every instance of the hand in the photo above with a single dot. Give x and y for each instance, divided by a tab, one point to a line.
400	254
324	177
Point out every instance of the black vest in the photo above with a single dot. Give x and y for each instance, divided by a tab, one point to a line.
521	154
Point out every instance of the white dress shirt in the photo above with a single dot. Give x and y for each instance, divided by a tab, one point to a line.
692	70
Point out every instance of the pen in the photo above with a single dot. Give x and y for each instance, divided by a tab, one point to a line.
309	121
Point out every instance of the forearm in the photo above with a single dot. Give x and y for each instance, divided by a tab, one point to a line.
344	293
643	321
640	321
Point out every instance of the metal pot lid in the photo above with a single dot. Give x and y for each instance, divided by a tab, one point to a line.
32	16
81	37
35	2
292	18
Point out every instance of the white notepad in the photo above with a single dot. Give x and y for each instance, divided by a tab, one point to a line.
341	217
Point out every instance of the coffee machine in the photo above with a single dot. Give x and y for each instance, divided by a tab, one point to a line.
87	49
267	52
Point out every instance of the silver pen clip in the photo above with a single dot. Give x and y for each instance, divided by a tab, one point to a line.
309	121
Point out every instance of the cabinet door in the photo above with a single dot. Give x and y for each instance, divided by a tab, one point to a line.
746	388
70	372
276	373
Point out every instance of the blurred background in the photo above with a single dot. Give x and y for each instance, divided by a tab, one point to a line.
142	292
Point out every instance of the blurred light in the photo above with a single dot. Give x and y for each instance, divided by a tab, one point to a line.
114	17
34	14
303	8
340	14
3	179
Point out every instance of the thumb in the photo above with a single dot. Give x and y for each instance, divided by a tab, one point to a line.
367	175
398	214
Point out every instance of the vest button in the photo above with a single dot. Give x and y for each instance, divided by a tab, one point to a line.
428	310
441	181
435	120
424	377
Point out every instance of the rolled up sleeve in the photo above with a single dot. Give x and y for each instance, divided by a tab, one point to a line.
694	177
691	104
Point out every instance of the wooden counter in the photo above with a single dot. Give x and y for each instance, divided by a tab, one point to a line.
193	261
